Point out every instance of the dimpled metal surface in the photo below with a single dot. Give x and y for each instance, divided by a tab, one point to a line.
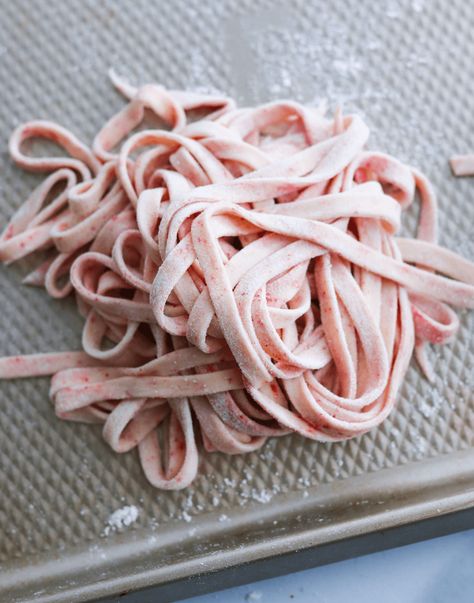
407	66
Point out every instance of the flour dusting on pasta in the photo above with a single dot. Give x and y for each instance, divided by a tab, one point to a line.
240	276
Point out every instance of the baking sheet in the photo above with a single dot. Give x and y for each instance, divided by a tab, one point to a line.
408	67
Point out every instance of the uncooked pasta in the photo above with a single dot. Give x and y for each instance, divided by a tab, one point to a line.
239	273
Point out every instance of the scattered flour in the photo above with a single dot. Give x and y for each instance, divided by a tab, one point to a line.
432	402
121	518
326	60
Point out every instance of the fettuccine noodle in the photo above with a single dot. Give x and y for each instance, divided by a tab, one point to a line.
239	276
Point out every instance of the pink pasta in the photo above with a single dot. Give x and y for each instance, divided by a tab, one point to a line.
239	276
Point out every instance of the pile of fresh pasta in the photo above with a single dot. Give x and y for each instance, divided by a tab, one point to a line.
239	275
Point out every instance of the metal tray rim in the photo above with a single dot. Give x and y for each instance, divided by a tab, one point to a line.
386	499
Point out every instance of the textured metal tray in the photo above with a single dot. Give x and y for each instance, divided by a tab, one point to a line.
408	66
